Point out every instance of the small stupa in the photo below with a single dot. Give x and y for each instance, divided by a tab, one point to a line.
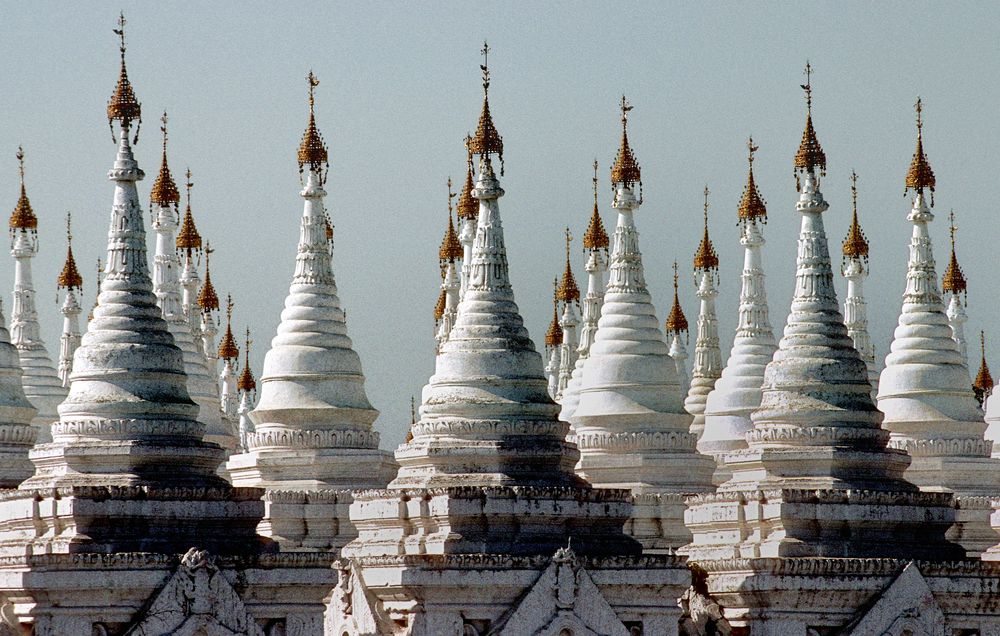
737	391
925	390
707	354
70	280
553	344
41	382
676	325
451	285
854	267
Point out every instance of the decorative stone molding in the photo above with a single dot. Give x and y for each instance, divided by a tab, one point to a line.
289	438
490	428
961	447
817	435
116	428
626	442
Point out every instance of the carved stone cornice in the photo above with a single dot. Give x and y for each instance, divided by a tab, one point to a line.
957	447
627	442
289	438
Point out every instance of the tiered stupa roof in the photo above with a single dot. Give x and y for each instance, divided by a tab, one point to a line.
70	280
982	386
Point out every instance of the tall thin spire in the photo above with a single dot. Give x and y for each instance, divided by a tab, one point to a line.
41	381
70	280
677	324
487	141
595	244
247	387
707	354
954	284
626	169
920	175
983	384
164	190
312	151
123	106
189	244
854	267
450	251
569	294
229	352
553	339
738	390
468	215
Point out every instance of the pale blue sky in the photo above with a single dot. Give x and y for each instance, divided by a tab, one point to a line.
400	89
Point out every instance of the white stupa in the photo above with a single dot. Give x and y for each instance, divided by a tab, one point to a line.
41	382
17	435
595	245
818	479
569	294
164	200
707	355
982	386
451	285
229	353
468	218
737	392
70	280
630	423
854	267
676	325
954	284
127	455
313	422
925	390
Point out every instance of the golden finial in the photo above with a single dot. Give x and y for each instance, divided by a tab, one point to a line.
810	155
97	296
69	278
486	140
567	291
312	150
468	206
23	218
164	190
228	349
595	237
188	238
440	306
855	243
983	386
451	247
554	335
953	280
208	300
676	321
706	259
920	175
626	168
246	382
752	207
123	105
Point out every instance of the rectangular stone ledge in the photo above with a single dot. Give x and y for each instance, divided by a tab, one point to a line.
132	493
308	519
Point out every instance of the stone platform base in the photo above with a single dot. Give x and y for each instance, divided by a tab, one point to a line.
657	522
509	520
821	523
299	466
308	520
506	595
94	519
846	597
145	593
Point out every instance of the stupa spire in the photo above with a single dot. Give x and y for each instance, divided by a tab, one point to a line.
595	245
312	426
128	378
810	156
123	107
70	280
188	244
677	324
631	405
854	267
247	387
488	451
450	251
707	354
983	384
553	341
737	391
925	389
817	454
954	284
41	382
168	272
569	294
208	303
229	352
468	217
